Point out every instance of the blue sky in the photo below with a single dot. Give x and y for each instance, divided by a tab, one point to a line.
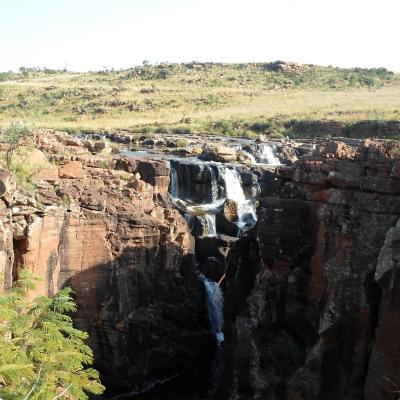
93	34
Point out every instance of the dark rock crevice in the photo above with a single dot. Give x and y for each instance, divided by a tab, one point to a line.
148	324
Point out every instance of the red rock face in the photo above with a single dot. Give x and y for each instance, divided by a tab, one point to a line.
128	257
312	298
72	170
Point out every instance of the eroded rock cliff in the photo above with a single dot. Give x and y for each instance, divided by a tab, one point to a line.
312	293
105	227
312	298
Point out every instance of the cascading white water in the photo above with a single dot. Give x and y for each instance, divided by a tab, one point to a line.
206	210
215	304
233	186
267	155
234	191
250	156
190	221
214	185
246	215
174	183
211	224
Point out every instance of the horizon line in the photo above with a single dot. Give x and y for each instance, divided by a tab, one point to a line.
160	63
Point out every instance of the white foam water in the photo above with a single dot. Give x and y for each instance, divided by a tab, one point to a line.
268	156
234	191
215	304
212	228
174	183
233	186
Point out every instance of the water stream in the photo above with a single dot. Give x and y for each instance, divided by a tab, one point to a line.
267	155
211	224
246	215
205	198
174	184
215	304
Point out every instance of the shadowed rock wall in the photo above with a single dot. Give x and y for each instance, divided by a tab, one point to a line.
312	292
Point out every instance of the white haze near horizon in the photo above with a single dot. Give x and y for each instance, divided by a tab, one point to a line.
96	34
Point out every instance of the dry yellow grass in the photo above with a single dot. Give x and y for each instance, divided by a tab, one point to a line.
110	101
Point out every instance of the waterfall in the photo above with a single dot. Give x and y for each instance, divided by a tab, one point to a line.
174	183
212	228
215	305
267	155
246	216
245	208
250	156
190	221
233	186
214	185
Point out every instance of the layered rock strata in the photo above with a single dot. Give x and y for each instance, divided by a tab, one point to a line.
312	293
106	228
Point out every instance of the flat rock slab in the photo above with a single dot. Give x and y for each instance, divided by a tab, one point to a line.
72	170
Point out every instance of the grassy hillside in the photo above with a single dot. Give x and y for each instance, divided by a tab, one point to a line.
237	99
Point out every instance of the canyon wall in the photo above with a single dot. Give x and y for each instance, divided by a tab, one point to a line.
312	292
107	229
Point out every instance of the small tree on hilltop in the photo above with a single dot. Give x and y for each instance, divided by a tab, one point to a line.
42	356
15	135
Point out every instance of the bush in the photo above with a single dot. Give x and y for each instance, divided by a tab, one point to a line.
42	356
181	130
222	126
148	90
181	142
14	136
260	127
23	175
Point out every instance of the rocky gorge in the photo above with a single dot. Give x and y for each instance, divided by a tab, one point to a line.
248	270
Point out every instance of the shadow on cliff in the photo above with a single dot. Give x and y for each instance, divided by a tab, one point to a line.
291	331
147	320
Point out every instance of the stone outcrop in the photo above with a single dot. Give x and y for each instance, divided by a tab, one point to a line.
218	153
312	292
384	365
72	170
112	235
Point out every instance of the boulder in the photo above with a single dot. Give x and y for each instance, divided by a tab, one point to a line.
47	175
7	185
287	154
337	150
70	141
244	157
218	153
230	210
72	170
101	147
29	157
156	173
225	226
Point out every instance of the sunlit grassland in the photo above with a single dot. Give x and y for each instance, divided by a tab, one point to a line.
197	99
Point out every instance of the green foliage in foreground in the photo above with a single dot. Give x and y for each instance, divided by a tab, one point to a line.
42	356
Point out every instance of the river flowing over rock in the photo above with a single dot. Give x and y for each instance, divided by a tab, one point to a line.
257	271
